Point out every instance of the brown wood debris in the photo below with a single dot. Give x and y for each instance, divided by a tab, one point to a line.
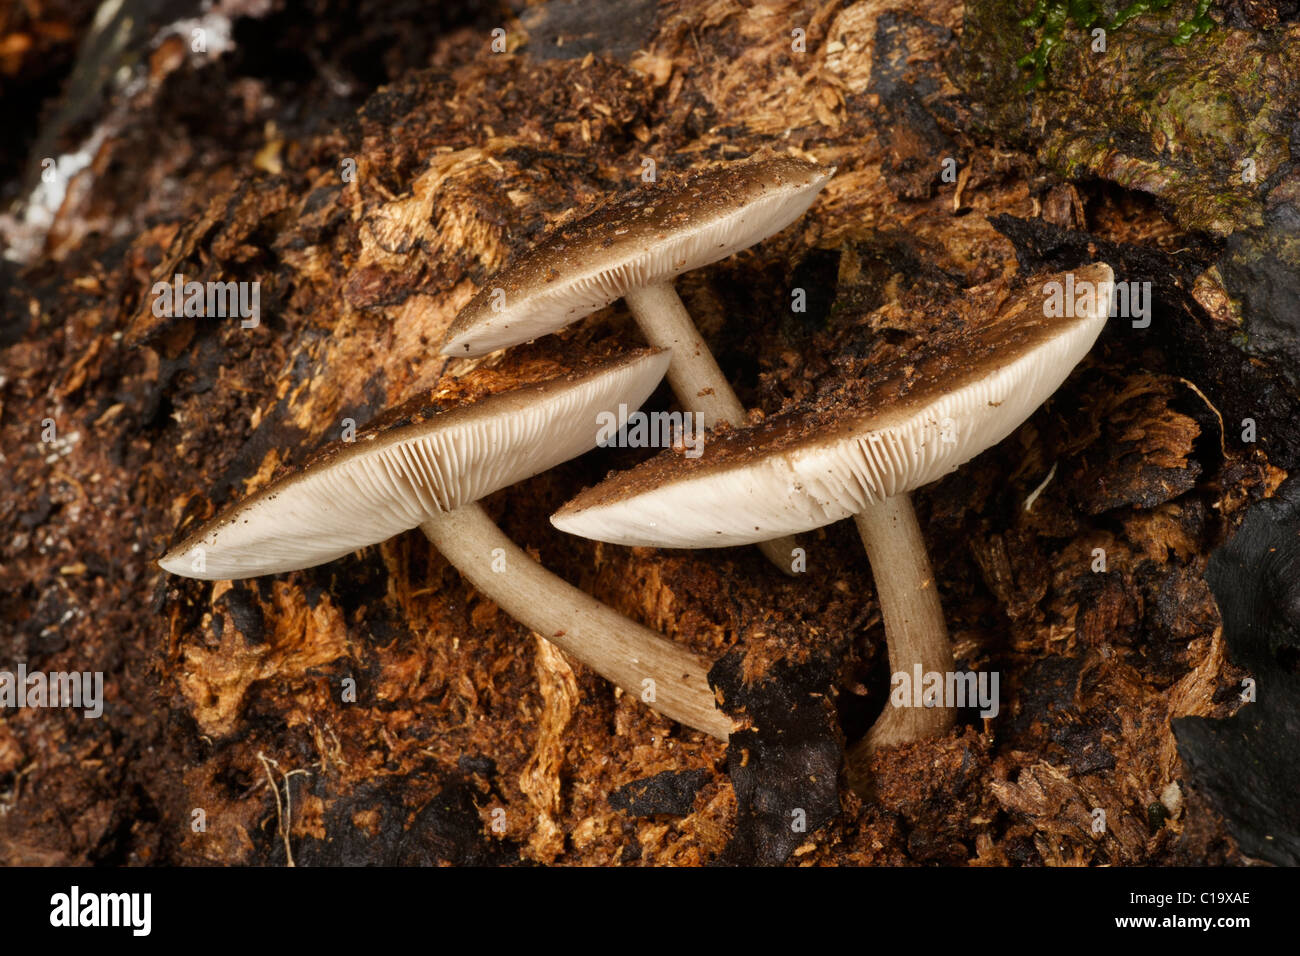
458	161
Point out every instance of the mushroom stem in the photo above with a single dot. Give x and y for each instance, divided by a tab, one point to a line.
695	377
692	371
914	624
619	649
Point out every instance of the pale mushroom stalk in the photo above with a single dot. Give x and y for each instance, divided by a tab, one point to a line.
633	249
429	470
623	652
694	375
914	622
872	439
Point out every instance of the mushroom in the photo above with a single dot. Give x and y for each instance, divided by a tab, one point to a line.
634	249
429	469
859	451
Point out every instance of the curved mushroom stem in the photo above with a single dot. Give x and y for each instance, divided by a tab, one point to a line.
695	377
914	624
619	649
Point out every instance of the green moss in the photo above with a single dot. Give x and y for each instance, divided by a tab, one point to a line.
1048	20
1175	121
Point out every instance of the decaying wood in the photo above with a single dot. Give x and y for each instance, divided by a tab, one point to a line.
369	215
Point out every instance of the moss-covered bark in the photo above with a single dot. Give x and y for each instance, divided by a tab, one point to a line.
1209	126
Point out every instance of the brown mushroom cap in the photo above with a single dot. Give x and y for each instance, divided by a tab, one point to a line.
433	460
653	236
879	435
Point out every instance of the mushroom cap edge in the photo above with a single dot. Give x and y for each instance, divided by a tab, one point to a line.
583	266
820	479
391	480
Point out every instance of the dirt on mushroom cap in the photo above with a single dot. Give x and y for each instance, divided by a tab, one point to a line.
653	234
327	507
976	335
